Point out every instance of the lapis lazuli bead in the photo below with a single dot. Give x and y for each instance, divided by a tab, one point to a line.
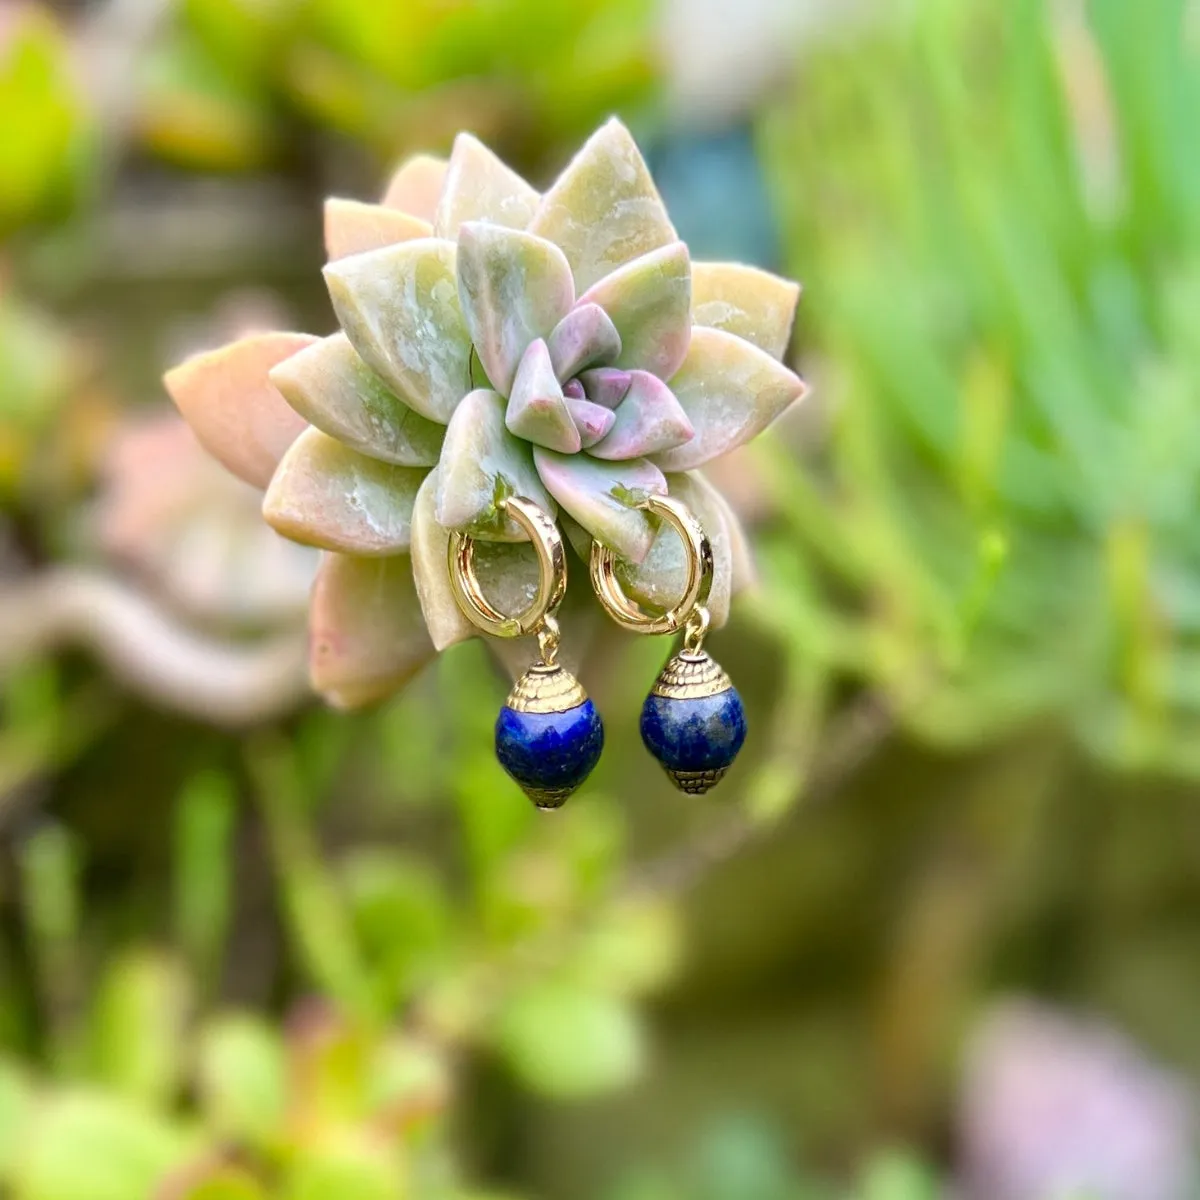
695	739
549	754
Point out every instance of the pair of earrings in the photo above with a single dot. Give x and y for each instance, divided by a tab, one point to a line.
549	735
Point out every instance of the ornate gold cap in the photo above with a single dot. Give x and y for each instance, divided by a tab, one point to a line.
691	676
546	689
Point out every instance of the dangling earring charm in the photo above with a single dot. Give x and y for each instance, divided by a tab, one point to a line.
693	721
548	734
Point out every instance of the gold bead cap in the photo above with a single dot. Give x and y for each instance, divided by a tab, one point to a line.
546	689
697	783
691	676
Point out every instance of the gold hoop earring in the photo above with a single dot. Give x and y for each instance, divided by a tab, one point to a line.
693	721
548	735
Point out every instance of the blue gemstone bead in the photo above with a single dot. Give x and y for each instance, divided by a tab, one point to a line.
696	739
549	754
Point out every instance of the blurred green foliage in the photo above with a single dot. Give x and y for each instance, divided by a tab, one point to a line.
533	955
43	113
226	85
743	1159
996	205
393	74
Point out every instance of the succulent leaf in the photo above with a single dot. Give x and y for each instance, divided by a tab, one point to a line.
537	410
592	420
479	187
447	623
586	337
753	304
514	288
331	387
606	386
399	307
232	407
603	497
604	209
355	228
731	391
325	494
741	556
367	637
650	303
416	186
483	463
648	420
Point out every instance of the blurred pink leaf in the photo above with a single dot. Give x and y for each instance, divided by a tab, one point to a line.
353	228
237	415
416	186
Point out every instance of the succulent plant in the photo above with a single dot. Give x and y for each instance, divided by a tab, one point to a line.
495	342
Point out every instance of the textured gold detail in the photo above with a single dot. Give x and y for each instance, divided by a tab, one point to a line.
690	676
549	798
546	689
696	783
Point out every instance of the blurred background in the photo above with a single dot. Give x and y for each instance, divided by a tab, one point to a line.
938	934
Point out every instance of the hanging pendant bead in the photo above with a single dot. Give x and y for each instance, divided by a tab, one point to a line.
693	722
548	735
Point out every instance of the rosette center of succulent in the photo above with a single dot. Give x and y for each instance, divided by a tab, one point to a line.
568	393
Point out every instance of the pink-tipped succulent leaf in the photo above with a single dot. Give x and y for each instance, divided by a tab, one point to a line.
495	341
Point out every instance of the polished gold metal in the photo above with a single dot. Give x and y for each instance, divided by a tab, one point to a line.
691	676
552	576
546	688
696	630
697	588
549	636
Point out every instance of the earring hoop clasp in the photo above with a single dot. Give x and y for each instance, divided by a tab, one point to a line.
697	587
552	574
